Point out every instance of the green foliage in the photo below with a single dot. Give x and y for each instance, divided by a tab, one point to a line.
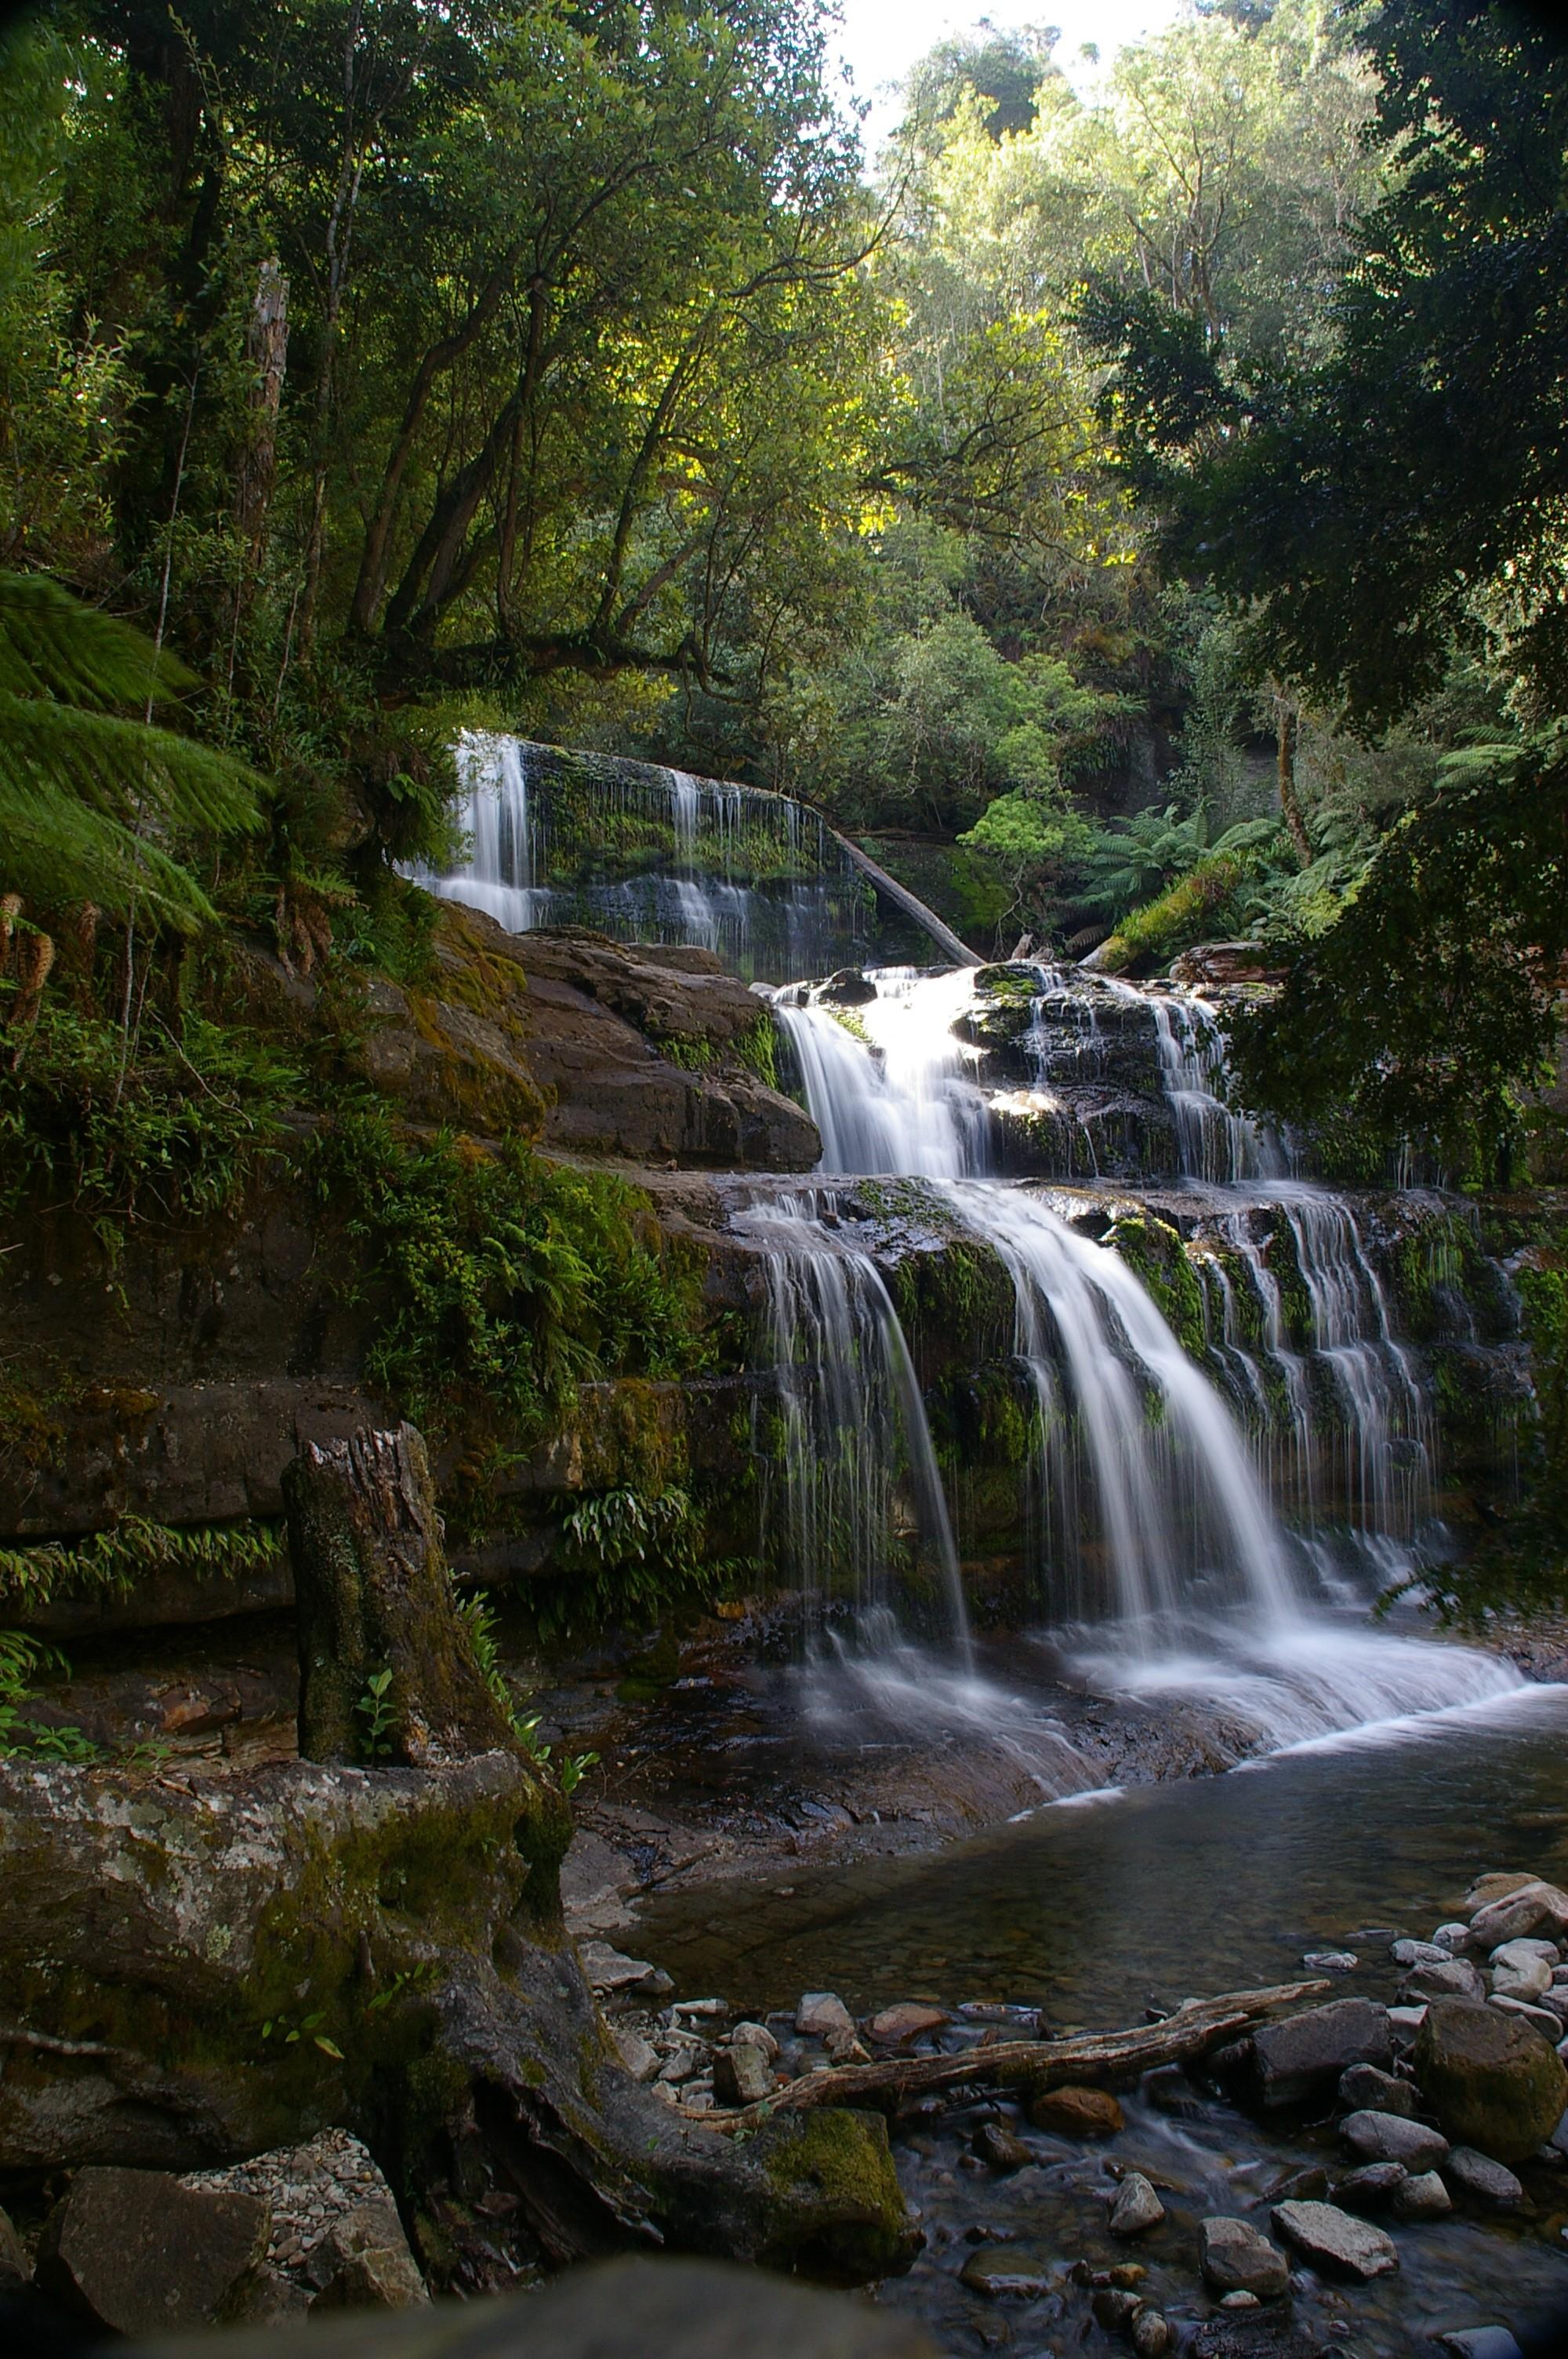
132	1549
1130	863
499	1281
172	1134
630	1556
377	1715
22	1658
1430	1007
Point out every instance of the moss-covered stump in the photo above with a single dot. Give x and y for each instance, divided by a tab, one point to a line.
208	1967
373	1610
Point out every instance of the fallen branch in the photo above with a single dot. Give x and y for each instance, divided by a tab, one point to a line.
1196	2024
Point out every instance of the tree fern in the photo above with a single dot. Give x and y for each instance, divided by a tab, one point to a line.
90	796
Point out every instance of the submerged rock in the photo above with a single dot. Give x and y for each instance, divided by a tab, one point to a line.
1006	2272
1492	2080
1077	2112
1336	2241
996	2144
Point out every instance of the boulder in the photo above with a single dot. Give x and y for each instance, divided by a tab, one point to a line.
1077	2112
1491	2081
1423	2197
363	2263
1303	2056
1366	2090
142	2255
1545	2019
1236	2257
639	2060
1441	1978
1405	1952
1336	2242
741	2075
1393	2137
1453	1937
755	2035
848	988
1533	1908
1135	2208
1517	1972
820	2013
895	2025
1478	2179
1481	2342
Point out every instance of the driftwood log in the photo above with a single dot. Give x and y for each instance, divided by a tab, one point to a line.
1198	2025
373	1595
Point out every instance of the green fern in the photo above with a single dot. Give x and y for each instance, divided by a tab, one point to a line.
90	796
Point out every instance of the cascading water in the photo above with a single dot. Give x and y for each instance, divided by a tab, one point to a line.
650	854
1155	1533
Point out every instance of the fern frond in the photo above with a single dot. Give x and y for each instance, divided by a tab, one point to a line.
52	644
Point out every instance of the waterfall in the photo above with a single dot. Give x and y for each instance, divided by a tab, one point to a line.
853	1415
1154	1522
499	874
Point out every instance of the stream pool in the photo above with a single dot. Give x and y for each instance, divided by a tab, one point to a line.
1095	1907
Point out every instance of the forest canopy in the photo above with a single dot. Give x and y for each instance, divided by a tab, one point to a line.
1137	514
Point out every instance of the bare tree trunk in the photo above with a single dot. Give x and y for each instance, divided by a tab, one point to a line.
266	356
373	1598
1287	723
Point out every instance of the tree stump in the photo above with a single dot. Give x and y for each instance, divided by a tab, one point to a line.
373	1597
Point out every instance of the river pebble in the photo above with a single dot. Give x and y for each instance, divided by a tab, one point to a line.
1135	2208
1392	2138
1423	2197
1236	2257
1337	2240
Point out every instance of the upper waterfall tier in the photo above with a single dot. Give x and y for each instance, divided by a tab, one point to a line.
648	854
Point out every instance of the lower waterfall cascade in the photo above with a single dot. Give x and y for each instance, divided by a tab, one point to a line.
1212	1524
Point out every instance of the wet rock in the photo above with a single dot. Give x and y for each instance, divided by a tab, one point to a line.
143	2255
639	2060
1372	2188
1453	1937
1490	2080
1305	2056
1478	2179
895	2025
1331	1961
1393	2137
1305	2185
1441	1978
1150	2337
1366	2090
1114	2310
741	2075
16	2269
1169	2090
1481	2342
996	2144
1007	2272
1236	2257
1533	1908
1337	2241
364	2263
821	2013
1518	1972
848	988
755	2035
1423	2197
1233	2061
1136	2208
1239	2300
1543	2018
1077	2112
1417	1953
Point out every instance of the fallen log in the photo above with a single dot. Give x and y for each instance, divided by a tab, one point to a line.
1038	2064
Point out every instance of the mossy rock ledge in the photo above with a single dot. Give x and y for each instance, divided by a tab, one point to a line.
209	1966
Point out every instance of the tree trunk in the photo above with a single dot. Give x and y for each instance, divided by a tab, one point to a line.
1287	722
373	1597
267	355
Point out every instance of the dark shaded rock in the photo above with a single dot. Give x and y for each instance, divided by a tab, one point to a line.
364	2263
1393	2137
996	2144
1334	2241
741	2075
1236	2257
1307	2184
16	2269
1305	2056
1481	2342
1440	1978
848	988
1372	2188
1366	2090
1491	2080
1077	2112
1150	2337
269	2298
1115	2309
1007	2272
1169	2090
1423	2197
1478	2179
142	2255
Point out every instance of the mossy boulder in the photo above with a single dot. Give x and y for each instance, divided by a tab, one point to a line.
833	2172
1488	2079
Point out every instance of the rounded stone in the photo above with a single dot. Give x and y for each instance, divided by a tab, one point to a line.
1077	2112
1489	2079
